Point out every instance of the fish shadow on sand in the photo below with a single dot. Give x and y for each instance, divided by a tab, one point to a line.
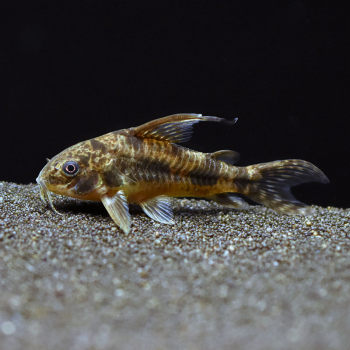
75	206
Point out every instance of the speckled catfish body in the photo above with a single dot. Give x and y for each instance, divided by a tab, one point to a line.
144	165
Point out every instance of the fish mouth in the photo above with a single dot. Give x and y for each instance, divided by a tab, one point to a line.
45	194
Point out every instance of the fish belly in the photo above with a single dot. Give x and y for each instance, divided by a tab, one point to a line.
141	192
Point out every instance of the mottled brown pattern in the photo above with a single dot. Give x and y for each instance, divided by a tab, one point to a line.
87	184
98	146
144	162
112	177
84	159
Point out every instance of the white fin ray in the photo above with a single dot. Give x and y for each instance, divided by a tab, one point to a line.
118	209
159	209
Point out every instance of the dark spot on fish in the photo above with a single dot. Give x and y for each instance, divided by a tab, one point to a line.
112	178
138	146
84	160
87	184
97	145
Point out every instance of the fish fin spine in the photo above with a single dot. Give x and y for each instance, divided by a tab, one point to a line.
176	128
117	207
159	209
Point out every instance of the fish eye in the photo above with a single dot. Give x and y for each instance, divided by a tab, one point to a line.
70	168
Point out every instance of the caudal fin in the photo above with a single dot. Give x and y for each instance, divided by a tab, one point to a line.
269	184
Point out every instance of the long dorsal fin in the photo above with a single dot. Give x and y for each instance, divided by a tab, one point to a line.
226	156
174	128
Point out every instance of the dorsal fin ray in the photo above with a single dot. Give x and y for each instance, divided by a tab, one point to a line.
174	128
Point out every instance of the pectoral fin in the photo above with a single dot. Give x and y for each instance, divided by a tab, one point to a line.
230	200
159	209
117	207
226	156
175	128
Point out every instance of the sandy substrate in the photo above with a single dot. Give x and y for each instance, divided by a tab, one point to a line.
217	279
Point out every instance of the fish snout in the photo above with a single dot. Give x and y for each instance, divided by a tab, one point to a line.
45	194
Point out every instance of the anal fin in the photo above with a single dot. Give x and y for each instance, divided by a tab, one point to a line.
118	209
230	200
159	209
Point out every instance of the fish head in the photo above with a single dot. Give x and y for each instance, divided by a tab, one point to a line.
70	174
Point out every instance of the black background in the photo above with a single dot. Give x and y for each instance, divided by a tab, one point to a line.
72	71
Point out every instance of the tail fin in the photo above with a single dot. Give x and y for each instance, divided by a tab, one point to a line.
270	184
